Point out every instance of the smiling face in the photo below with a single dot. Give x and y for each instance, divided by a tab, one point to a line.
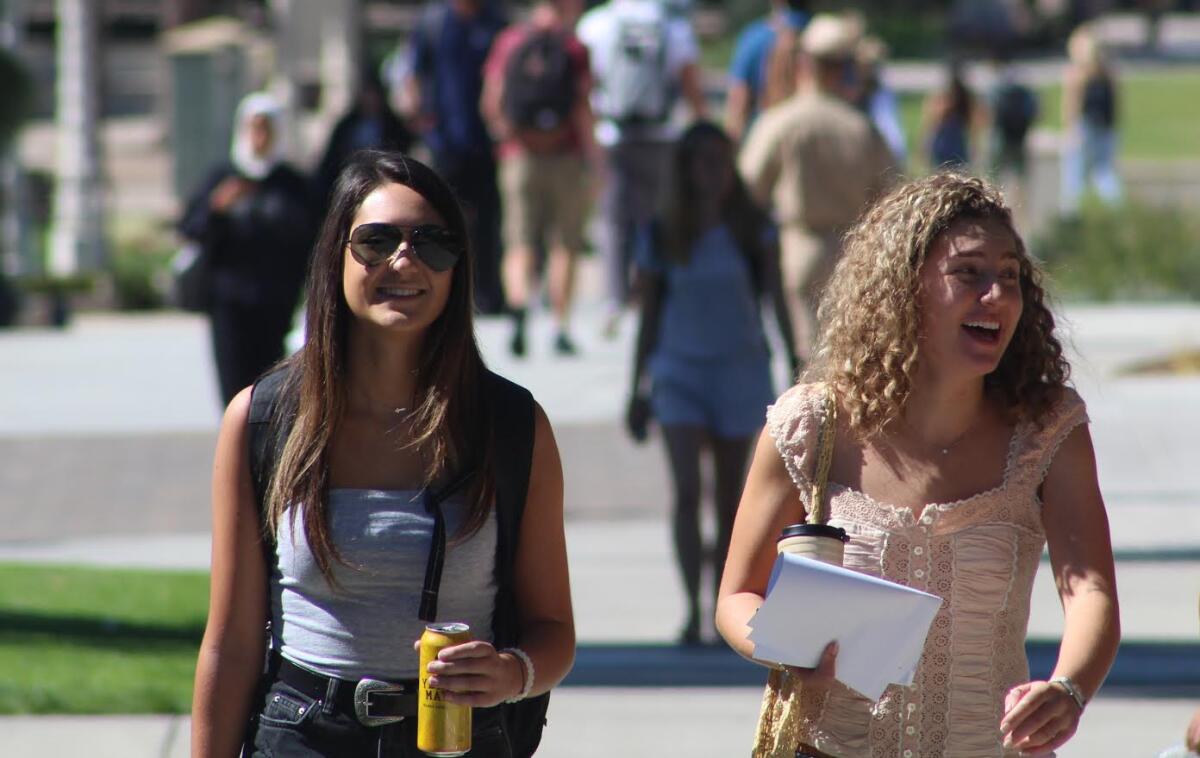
401	294
970	298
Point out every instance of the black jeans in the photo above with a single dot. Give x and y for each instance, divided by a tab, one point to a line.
293	724
247	340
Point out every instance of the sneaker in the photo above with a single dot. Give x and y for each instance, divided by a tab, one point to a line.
564	346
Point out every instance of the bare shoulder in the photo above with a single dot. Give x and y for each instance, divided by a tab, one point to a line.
234	434
237	413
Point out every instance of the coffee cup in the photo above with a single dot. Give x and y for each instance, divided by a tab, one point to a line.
820	542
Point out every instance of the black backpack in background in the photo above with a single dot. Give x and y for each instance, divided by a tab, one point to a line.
1016	109
512	423
539	85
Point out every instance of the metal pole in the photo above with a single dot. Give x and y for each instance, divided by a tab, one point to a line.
77	237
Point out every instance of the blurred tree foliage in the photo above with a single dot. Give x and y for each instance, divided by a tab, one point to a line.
17	103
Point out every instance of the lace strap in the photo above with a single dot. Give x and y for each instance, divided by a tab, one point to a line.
1035	452
1071	413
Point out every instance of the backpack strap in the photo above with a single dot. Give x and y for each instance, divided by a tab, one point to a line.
269	429
512	443
512	440
437	545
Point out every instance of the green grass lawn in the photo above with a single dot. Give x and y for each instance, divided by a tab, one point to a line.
81	640
1158	115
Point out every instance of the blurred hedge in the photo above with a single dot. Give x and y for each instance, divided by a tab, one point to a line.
1129	252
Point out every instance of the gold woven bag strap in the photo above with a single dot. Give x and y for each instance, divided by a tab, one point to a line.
816	502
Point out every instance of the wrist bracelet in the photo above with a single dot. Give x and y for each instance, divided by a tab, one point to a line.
1072	690
526	668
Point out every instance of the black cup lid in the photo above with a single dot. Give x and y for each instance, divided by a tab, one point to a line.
814	530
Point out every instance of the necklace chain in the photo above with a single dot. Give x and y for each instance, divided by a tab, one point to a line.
943	449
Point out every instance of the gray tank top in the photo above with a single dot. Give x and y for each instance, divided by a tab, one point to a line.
365	627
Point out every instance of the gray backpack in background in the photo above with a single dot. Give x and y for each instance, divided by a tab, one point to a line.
636	87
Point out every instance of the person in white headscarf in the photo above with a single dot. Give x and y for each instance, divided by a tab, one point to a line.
254	220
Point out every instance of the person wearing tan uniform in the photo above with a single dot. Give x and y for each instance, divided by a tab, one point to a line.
818	162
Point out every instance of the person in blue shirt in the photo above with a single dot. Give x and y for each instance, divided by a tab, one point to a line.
748	73
702	370
449	46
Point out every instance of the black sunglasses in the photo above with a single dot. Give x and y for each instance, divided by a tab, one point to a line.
435	246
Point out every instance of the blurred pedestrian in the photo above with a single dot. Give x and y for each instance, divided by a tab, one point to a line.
763	69
702	368
254	218
536	91
369	124
1014	109
950	119
817	161
449	45
1090	111
387	432
876	99
643	59
958	453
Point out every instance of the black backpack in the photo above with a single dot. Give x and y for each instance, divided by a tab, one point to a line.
539	85
512	432
1016	109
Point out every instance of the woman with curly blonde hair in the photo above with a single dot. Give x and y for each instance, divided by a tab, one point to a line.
959	453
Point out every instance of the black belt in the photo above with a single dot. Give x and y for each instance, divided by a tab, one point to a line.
371	701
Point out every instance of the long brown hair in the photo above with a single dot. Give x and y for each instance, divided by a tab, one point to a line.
868	345
450	413
681	224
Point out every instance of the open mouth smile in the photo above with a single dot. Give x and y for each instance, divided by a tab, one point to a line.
984	330
397	293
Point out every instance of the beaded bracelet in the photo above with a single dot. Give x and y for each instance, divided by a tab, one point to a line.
1072	689
527	668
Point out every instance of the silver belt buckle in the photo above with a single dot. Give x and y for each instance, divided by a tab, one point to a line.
362	701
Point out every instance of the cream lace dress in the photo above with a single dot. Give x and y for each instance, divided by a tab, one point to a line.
978	554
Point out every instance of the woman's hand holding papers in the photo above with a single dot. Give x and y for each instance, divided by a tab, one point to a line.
824	674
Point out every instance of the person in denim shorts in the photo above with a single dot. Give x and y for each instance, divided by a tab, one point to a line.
702	369
390	447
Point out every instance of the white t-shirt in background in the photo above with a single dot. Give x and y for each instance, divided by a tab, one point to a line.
598	29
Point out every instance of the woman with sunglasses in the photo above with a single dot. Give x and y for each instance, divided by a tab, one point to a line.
391	402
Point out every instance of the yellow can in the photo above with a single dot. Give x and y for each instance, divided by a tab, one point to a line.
443	729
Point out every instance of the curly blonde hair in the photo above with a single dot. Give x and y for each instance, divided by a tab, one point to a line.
867	348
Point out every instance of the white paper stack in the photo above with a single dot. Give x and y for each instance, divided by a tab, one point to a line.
880	626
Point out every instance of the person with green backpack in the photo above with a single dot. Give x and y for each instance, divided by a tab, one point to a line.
379	480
